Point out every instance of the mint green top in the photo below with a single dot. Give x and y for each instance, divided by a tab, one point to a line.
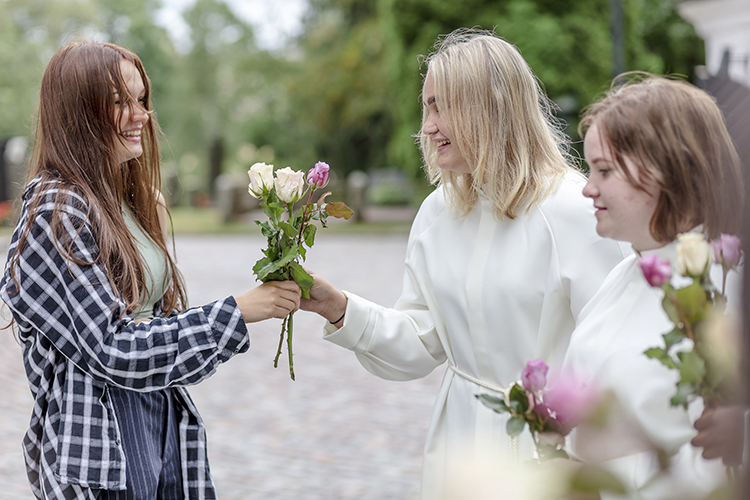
154	264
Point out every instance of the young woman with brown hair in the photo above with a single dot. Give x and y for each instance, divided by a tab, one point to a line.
96	297
661	163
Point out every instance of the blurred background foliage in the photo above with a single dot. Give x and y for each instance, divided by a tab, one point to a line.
346	90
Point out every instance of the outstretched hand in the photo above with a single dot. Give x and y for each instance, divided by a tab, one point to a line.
274	299
325	300
721	432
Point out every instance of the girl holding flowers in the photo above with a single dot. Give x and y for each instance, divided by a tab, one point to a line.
501	258
664	177
99	304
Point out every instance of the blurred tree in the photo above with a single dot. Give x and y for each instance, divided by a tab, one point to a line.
339	94
567	44
30	32
348	92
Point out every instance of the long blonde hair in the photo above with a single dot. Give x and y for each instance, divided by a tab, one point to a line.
501	121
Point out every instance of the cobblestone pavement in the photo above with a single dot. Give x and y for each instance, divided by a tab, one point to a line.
338	432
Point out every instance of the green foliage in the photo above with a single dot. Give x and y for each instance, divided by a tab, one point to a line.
348	91
567	44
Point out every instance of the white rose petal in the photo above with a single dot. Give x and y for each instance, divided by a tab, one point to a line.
290	184
694	253
261	178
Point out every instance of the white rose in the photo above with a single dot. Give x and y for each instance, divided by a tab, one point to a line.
261	179
290	184
694	254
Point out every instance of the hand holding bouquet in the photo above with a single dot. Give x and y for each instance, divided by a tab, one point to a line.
288	231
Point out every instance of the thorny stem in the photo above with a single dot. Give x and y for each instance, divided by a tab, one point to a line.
281	342
304	218
289	344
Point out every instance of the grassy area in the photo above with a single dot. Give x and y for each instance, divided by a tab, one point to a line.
193	220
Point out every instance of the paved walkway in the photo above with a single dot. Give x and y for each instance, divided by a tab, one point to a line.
338	432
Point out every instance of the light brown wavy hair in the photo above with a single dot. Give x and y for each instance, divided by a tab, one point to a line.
75	143
502	123
676	136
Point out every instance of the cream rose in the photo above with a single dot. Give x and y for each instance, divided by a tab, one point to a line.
290	184
694	254
261	179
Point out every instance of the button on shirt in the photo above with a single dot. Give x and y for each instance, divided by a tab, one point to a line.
77	341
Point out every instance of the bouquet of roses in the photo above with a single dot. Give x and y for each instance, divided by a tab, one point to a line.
549	412
288	230
698	313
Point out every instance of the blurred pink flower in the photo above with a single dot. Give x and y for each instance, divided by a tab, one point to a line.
571	400
656	270
534	375
727	250
318	175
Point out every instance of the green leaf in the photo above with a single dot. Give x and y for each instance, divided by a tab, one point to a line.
339	210
257	268
673	337
693	367
692	299
309	235
304	280
264	267
661	355
289	230
268	230
494	403
682	396
273	211
655	352
515	426
670	308
518	399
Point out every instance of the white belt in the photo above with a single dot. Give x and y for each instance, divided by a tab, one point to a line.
475	380
512	440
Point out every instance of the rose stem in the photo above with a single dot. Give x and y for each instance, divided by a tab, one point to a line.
281	342
289	344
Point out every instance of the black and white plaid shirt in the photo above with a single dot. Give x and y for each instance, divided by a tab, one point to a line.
76	345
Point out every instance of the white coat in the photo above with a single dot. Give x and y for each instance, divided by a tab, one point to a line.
485	296
623	320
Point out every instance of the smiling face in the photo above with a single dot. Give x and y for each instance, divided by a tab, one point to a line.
623	212
133	116
449	157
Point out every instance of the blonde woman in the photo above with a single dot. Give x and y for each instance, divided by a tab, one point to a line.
501	258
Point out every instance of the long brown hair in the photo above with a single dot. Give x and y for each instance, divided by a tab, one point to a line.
502	122
675	135
75	142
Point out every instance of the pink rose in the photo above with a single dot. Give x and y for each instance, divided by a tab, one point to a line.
656	270
571	400
727	250
534	376
318	175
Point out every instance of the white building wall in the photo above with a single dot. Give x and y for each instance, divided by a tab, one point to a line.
723	24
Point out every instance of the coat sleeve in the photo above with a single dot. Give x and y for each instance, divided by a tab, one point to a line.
72	303
399	343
